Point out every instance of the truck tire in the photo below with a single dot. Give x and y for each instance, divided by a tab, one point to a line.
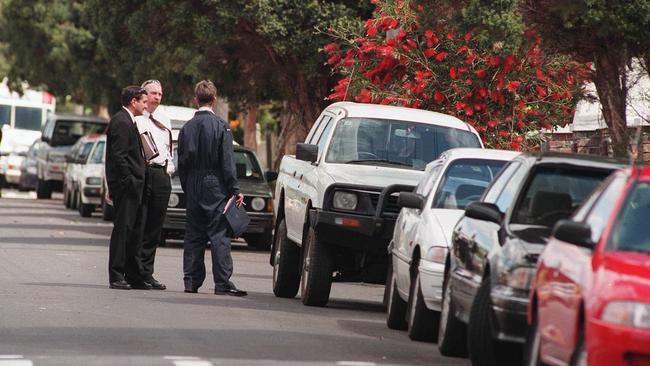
396	308
261	241
74	203
389	283
483	349
452	334
286	264
422	321
43	190
316	280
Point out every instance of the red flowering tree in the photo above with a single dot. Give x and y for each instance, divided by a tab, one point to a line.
408	56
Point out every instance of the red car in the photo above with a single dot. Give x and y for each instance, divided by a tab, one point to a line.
590	300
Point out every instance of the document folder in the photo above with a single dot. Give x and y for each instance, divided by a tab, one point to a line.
236	217
149	147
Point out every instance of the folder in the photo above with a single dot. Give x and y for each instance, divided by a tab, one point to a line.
236	217
149	147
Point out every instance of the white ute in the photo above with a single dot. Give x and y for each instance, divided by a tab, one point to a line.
336	199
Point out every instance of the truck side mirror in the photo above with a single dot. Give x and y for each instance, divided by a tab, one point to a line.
307	152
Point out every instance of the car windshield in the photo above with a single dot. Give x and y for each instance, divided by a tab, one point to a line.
98	154
68	132
400	143
554	192
29	118
631	232
85	151
464	182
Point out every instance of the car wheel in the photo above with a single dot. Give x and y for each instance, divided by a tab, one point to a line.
66	196
483	349
579	357
533	341
107	211
389	282
43	190
286	264
260	241
316	278
85	210
396	307
75	200
452	334
422	321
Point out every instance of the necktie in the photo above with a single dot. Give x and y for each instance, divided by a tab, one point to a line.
162	127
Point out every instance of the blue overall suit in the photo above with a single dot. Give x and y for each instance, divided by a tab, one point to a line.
208	176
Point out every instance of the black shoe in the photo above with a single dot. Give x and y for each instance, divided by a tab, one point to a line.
192	290
232	291
155	285
119	285
140	285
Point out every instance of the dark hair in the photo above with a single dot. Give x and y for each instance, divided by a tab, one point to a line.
131	92
205	92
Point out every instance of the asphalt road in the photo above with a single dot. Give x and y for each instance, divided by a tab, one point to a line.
56	307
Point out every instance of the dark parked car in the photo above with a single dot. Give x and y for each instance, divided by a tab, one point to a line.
495	247
60	132
257	197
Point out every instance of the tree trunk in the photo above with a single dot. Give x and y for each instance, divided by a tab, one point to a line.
250	128
611	85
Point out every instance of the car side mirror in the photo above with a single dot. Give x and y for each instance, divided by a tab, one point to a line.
270	176
484	211
307	152
576	233
410	200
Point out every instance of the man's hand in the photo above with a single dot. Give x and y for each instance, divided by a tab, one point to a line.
240	200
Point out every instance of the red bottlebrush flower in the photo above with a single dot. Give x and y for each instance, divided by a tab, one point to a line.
468	82
429	52
547	125
385	101
521	124
453	73
504	134
333	60
539	75
541	91
515	146
428	34
364	96
330	47
491	124
481	73
478	107
494	61
470	58
482	92
460	105
411	43
501	83
433	41
450	36
468	36
513	85
387	78
462	50
441	56
393	24
508	63
438	97
589	65
372	31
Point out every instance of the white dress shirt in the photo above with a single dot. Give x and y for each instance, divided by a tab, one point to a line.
161	138
130	114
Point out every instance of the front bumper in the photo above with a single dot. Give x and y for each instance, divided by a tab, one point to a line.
92	195
432	275
510	311
260	223
613	345
13	176
362	232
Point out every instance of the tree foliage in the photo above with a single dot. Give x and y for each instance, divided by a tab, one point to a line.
410	55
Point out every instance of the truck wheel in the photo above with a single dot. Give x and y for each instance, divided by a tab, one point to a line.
452	334
422	321
316	281
389	282
260	241
396	308
286	264
75	200
107	211
483	349
43	190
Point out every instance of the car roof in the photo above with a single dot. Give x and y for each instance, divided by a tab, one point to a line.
78	117
176	112
352	109
582	160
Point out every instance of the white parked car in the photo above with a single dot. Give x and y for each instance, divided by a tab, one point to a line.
422	235
75	159
84	174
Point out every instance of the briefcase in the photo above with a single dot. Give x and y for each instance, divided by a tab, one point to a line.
236	217
149	147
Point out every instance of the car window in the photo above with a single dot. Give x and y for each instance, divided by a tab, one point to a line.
29	118
318	126
600	214
5	114
84	151
398	143
98	154
67	132
426	183
464	181
322	139
247	166
631	232
500	181
554	192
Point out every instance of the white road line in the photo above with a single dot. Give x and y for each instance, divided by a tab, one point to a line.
10	357
355	363
186	361
14	360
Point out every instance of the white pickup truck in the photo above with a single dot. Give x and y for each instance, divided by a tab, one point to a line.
336	199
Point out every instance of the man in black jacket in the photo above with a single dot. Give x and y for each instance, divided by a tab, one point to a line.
125	170
207	172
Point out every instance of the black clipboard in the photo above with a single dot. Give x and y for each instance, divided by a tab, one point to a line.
236	217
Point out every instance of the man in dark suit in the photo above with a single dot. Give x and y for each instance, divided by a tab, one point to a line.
207	172
125	171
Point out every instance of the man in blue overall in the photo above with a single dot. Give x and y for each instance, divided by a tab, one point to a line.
207	172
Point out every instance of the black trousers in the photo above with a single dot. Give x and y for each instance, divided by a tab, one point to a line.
157	188
126	238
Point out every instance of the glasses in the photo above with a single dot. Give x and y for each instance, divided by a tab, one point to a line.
149	82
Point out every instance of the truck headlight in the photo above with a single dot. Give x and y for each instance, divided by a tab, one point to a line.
628	313
345	200
93	181
174	200
258	203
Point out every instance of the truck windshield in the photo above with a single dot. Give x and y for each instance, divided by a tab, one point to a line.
68	132
29	118
399	143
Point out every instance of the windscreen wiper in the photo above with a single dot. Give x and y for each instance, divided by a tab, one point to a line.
381	161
